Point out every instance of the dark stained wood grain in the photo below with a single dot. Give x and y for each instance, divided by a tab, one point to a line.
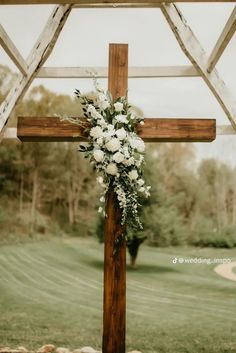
154	130
114	309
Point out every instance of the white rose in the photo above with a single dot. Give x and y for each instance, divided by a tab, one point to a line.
104	105
102	123
113	145
131	161
118	157
133	175
102	97
118	107
96	132
140	146
98	155
112	169
110	131
122	119
121	133
140	182
100	141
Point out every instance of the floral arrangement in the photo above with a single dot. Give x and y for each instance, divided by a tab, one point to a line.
116	151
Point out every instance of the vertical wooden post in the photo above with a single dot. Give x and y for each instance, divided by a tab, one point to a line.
115	260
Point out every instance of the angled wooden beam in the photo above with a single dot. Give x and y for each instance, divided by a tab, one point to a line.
223	41
87	2
12	51
154	130
39	54
195	53
102	72
225	130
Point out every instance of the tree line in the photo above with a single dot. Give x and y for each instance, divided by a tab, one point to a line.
48	188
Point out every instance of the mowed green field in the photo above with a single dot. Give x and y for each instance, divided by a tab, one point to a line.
51	292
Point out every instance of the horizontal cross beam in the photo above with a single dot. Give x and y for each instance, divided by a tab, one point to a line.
153	130
11	132
115	3
121	5
134	72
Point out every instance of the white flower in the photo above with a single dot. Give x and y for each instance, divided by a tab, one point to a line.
132	117
113	145
91	110
121	133
100	141
102	199
100	180
118	157
98	116
126	152
100	210
102	97
142	122
118	107
142	189
112	169
110	127
98	155
138	144
133	175
131	161
110	131
104	105
140	182
96	132
125	162
101	121
122	119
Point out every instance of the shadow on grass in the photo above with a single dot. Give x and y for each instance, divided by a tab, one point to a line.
141	268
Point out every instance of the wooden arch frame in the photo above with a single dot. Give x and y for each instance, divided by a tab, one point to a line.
202	66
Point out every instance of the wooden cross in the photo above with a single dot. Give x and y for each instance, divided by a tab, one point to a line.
154	130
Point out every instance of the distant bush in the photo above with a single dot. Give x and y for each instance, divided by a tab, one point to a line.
17	226
163	226
213	237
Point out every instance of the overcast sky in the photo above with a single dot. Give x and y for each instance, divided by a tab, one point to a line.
84	42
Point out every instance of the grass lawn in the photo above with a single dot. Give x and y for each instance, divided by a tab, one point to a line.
51	292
